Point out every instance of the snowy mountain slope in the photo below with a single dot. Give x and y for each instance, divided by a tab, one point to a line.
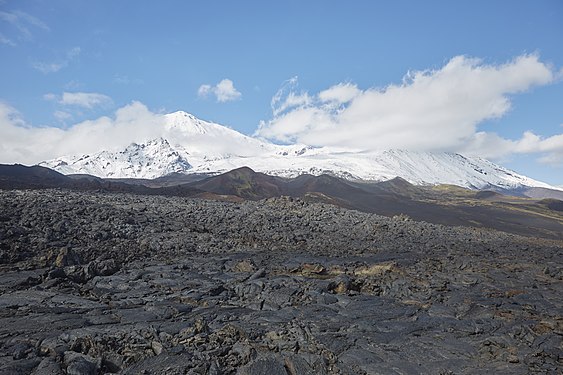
186	141
152	159
419	168
190	145
208	140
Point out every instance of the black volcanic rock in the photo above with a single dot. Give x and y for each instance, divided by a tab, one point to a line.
449	205
95	282
454	206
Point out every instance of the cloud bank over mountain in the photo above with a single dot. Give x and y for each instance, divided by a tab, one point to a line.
431	110
22	143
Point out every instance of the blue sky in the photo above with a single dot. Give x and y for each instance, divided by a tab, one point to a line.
68	61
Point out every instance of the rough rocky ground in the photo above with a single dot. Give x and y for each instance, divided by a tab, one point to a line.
96	283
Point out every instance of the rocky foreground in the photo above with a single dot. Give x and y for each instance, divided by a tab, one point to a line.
95	283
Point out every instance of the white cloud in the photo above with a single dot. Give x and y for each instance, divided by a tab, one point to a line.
340	94
433	110
224	91
287	97
204	90
551	147
21	143
53	67
80	99
292	100
437	110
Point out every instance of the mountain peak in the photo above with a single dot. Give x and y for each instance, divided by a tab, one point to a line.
181	114
186	123
150	159
151	143
243	170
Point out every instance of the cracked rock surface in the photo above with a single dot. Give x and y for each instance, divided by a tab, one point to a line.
94	283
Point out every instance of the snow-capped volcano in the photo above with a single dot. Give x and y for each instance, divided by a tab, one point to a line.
190	145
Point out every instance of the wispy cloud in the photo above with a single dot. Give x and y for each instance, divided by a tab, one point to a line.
72	104
84	99
126	80
72	85
47	68
288	97
62	116
80	99
6	40
53	67
23	23
31	20
73	53
432	110
224	91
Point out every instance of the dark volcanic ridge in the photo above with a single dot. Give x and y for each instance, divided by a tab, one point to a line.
95	283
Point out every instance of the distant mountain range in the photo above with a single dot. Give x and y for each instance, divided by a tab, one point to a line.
195	158
442	204
192	146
